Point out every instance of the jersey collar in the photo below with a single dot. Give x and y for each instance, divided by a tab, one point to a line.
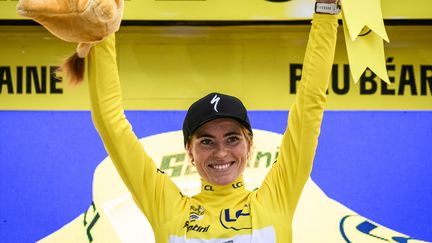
235	186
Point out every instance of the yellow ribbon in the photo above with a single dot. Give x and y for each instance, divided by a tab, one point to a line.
364	33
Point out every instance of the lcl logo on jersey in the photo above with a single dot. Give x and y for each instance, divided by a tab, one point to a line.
237	185
236	219
208	188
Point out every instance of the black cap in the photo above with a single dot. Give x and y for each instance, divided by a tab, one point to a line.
213	106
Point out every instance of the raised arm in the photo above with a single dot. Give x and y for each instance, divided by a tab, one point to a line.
285	181
150	189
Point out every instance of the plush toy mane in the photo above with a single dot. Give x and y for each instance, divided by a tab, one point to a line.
81	21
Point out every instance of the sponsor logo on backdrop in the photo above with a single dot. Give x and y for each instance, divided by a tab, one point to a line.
91	216
355	228
30	80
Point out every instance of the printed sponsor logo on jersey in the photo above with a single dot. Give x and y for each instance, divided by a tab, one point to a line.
237	185
355	228
196	213
195	227
208	188
236	219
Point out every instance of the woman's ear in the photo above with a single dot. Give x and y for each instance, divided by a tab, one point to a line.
250	151
189	152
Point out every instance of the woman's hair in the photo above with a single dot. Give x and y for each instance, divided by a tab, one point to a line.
249	138
73	69
246	133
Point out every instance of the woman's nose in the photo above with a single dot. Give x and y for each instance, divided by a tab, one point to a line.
221	151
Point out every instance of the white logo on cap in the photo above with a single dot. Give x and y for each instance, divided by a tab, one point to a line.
215	101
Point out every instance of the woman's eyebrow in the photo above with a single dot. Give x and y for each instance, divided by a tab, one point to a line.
204	135
231	133
198	135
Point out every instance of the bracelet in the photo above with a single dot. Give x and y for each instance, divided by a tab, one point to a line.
327	8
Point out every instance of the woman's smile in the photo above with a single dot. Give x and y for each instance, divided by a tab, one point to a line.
221	167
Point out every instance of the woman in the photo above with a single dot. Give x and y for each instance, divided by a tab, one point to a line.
218	139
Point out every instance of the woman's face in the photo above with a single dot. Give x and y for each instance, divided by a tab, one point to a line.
220	150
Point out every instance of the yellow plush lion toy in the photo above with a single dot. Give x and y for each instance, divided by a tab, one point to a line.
81	21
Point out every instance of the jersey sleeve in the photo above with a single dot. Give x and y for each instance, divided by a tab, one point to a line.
154	193
284	183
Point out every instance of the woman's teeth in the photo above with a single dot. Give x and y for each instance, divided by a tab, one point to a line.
220	166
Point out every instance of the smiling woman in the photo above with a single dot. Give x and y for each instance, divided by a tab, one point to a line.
218	139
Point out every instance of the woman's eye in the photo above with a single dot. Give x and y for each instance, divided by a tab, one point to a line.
206	141
233	139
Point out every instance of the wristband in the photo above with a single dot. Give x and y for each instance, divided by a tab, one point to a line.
327	8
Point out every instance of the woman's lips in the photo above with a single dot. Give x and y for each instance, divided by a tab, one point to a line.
221	167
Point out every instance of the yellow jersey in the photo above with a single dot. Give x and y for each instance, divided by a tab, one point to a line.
227	213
